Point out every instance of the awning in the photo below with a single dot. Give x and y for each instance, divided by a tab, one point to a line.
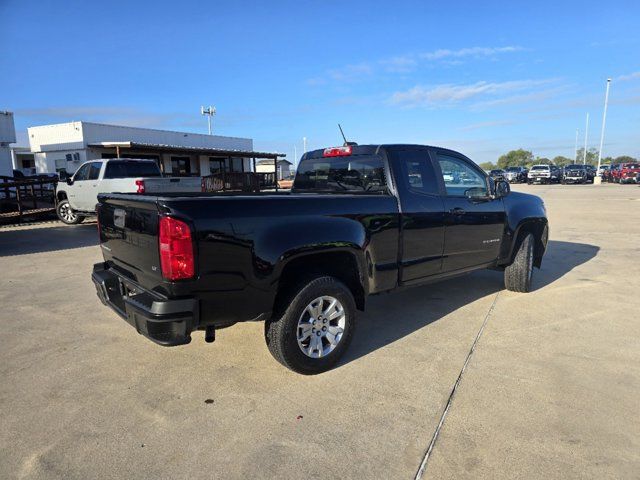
158	147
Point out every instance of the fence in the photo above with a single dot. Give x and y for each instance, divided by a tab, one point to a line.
238	181
26	197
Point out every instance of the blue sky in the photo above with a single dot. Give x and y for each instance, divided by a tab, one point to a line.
479	77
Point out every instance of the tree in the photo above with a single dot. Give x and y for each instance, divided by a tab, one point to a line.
487	166
624	159
541	161
515	158
562	161
592	156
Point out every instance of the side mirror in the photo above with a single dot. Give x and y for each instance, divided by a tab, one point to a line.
502	189
63	175
476	193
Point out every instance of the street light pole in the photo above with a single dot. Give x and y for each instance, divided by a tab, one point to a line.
575	149
586	136
304	144
604	120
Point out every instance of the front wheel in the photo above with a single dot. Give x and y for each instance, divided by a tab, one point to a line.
314	327
67	215
517	276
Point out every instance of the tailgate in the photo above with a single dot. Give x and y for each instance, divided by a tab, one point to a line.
129	236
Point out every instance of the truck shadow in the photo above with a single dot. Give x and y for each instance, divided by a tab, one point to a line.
40	239
389	318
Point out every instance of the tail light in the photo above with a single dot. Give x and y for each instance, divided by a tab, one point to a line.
140	186
337	151
176	249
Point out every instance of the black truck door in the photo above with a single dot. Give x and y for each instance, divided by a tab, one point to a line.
474	222
421	213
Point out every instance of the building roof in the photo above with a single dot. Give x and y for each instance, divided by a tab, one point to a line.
270	162
182	149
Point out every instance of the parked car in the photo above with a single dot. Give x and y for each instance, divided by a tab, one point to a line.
77	195
544	174
497	174
577	173
602	171
607	175
628	172
359	220
516	174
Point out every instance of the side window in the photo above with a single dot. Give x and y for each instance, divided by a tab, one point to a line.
459	177
82	173
94	170
416	165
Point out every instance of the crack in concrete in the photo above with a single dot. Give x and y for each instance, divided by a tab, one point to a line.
423	465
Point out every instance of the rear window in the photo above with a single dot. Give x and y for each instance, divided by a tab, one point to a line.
632	165
575	167
357	173
128	169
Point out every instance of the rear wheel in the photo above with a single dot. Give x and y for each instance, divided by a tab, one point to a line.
517	276
67	215
314	326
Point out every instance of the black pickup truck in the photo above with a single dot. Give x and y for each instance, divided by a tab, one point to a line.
359	220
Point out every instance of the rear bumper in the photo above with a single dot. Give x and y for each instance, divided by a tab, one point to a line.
163	321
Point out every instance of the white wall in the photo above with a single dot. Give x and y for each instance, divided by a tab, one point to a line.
7	128
97	132
63	136
6	168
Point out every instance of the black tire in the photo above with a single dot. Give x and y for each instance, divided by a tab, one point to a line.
67	215
517	276
281	332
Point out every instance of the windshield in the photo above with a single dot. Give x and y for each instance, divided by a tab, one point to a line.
632	165
357	173
513	169
129	169
574	167
540	167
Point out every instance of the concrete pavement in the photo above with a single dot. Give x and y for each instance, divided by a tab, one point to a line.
549	391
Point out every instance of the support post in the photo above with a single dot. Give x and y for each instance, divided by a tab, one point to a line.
275	174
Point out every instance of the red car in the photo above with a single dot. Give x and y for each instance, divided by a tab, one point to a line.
627	173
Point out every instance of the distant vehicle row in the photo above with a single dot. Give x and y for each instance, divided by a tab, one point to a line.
621	173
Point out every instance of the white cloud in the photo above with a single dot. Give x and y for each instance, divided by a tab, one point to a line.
406	63
630	76
468	52
400	64
421	95
352	72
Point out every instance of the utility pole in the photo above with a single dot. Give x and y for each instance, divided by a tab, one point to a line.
586	136
604	120
209	112
575	149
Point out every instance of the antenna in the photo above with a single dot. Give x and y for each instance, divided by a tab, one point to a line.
210	112
343	137
346	143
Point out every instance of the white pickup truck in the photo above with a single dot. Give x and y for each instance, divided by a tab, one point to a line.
78	195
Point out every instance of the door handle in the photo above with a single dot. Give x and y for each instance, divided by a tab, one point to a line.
457	211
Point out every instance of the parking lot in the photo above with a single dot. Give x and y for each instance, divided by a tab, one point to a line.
551	389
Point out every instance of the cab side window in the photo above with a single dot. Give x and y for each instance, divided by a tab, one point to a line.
460	178
418	171
94	171
82	173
